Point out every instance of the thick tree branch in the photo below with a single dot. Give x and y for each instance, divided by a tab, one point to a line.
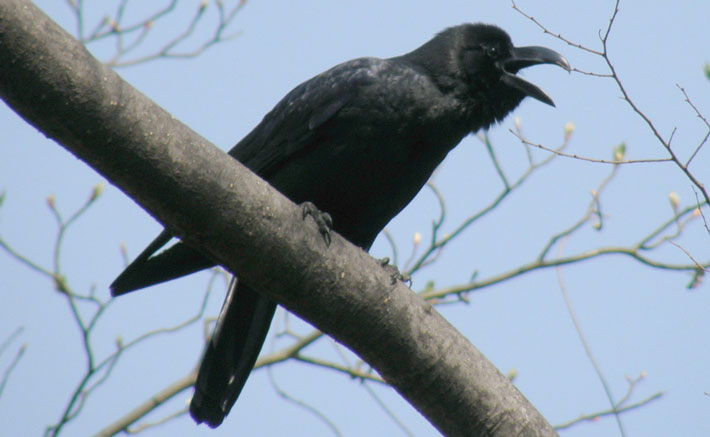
214	203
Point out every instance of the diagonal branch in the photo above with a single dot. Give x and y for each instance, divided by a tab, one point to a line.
215	204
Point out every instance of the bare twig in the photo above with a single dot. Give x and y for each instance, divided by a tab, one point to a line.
485	139
701	117
149	405
594	210
143	426
583	158
351	372
303	404
696	262
556	35
381	403
631	252
16	359
139	31
700	211
609	412
97	371
604	54
437	243
585	343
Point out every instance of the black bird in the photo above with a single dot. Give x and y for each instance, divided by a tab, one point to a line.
358	141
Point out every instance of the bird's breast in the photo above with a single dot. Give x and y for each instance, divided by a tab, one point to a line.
364	174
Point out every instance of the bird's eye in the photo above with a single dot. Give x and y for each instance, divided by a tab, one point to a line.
492	52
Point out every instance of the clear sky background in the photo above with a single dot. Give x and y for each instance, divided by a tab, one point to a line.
636	319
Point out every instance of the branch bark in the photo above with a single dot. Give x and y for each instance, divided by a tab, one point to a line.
214	203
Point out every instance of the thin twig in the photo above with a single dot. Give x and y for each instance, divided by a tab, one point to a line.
585	343
584	158
556	35
436	245
604	53
15	360
696	262
700	210
593	210
149	405
609	412
301	403
143	426
351	372
570	259
701	117
391	414
138	31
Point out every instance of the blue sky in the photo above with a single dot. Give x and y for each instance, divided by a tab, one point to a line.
636	319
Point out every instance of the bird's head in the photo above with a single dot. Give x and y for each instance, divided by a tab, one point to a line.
487	57
479	63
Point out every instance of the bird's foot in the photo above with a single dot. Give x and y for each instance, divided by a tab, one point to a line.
395	274
322	219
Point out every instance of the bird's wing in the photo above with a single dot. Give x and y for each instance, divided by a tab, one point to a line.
146	270
292	126
288	129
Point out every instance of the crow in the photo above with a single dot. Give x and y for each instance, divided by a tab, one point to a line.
353	145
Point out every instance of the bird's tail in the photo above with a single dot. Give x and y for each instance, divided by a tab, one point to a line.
231	353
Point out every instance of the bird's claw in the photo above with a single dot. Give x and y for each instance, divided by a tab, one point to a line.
395	274
323	220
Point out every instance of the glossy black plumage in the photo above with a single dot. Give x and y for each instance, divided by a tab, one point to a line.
359	141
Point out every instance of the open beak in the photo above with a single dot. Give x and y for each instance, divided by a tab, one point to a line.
522	57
